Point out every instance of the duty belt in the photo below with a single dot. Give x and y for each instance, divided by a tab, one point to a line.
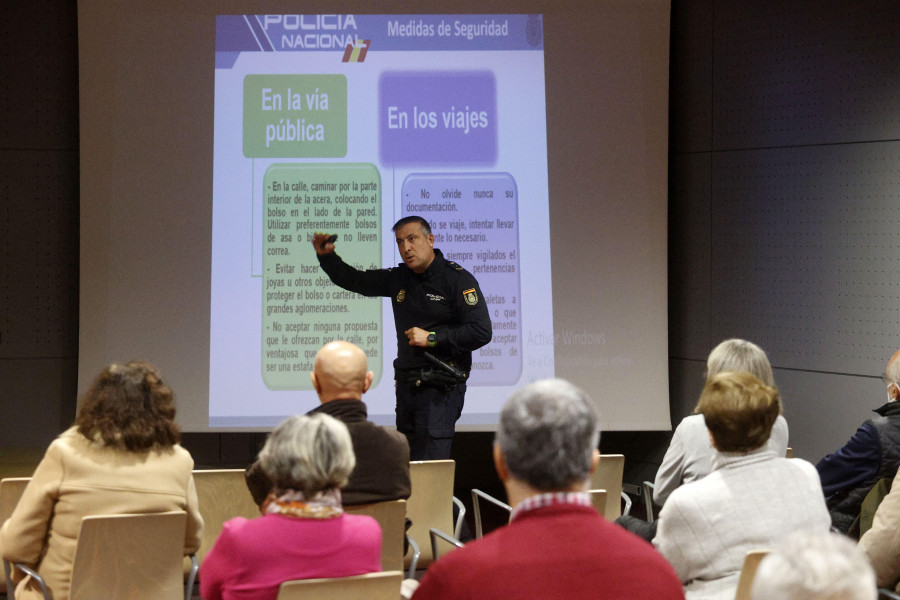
445	378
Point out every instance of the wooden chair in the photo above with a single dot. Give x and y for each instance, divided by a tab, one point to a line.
789	453
371	586
128	557
748	572
608	476
222	495
599	499
391	516
11	489
430	505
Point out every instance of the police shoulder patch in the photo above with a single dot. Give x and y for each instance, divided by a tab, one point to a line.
471	297
401	295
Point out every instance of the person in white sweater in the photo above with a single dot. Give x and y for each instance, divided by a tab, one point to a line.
751	500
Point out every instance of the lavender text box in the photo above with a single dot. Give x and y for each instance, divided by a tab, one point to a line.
475	221
432	118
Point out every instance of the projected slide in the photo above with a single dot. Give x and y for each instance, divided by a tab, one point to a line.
344	124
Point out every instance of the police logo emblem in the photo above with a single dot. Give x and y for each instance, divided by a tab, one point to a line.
401	296
471	297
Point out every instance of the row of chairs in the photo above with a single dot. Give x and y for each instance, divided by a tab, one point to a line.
223	495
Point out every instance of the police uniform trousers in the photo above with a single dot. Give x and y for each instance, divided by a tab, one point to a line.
427	415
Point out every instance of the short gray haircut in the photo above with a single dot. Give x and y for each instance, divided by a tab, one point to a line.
309	454
548	433
815	565
740	355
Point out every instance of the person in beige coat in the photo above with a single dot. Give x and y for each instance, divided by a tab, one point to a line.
881	543
121	456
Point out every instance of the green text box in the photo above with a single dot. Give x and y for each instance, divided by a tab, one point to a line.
302	116
301	309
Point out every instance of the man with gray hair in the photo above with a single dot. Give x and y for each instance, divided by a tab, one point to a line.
556	545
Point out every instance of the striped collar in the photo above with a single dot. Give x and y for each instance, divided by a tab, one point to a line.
551	499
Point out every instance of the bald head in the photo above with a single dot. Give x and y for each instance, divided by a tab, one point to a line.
340	372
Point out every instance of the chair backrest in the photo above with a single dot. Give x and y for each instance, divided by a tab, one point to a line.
608	476
391	516
748	572
598	498
222	495
129	557
371	586
430	503
789	453
11	489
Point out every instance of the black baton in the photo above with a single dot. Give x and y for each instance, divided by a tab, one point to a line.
457	374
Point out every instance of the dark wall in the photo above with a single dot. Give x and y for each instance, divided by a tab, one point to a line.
38	221
784	201
780	96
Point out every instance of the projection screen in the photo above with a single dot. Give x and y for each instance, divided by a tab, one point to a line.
217	136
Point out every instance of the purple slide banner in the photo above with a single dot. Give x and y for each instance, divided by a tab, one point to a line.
438	117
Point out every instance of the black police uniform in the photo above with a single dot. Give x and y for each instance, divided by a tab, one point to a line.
444	299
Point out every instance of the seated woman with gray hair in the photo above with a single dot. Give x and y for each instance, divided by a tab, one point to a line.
751	500
689	456
303	532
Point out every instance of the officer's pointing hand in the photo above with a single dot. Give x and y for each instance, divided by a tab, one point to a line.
322	244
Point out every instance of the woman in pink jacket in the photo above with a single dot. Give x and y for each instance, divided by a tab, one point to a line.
303	532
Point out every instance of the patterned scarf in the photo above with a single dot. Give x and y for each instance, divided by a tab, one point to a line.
291	503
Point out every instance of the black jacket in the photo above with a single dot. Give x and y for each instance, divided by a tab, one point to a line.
445	299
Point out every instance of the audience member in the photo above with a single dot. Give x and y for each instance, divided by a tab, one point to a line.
556	545
881	543
871	454
340	378
121	456
690	456
753	498
303	532
814	566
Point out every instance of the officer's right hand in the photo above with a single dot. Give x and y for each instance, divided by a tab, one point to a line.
321	244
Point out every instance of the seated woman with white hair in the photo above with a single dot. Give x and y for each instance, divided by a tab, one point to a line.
303	532
752	499
815	566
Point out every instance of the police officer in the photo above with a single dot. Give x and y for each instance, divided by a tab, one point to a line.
439	309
